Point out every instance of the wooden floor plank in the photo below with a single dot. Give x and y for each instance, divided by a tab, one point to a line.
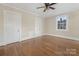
42	46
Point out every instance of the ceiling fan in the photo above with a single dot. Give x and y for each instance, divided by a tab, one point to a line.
47	6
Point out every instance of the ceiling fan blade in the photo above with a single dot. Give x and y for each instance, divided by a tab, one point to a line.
45	9
52	8
40	7
52	4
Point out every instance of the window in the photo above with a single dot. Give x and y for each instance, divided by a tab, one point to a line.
61	22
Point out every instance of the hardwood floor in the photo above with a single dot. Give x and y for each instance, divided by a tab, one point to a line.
42	46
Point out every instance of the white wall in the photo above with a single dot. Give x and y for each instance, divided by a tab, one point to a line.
73	26
31	24
1	27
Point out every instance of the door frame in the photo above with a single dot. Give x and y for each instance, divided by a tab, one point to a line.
4	11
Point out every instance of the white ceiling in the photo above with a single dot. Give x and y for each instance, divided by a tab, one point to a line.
32	7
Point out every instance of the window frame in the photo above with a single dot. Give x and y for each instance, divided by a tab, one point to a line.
58	17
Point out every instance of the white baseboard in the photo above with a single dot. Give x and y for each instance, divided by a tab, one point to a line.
73	38
5	43
30	37
1	44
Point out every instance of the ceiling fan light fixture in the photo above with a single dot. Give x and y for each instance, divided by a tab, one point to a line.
47	6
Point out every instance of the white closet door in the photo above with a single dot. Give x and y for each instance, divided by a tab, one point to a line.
12	27
38	26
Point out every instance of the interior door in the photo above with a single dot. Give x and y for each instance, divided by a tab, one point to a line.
38	26
12	27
